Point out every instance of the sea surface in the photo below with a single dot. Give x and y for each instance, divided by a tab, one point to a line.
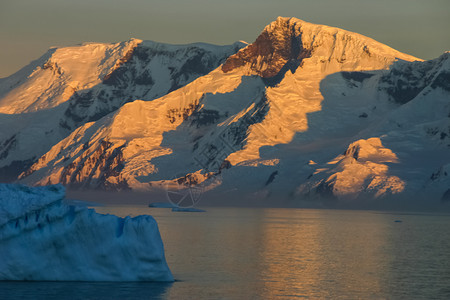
275	253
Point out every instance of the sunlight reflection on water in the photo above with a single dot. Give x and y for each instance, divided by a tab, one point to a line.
269	253
264	253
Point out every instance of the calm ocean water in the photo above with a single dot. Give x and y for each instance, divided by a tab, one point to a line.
266	253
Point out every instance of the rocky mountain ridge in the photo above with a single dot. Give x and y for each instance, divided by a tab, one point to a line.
306	112
67	87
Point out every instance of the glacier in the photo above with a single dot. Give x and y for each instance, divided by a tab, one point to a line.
42	238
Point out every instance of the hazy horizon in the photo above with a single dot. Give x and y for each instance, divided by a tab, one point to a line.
219	199
29	28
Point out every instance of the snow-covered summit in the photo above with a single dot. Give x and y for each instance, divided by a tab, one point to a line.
69	86
291	40
301	92
60	75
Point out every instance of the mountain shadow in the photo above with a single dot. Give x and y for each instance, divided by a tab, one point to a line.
132	79
370	106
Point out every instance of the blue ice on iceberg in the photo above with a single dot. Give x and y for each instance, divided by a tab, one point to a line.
43	238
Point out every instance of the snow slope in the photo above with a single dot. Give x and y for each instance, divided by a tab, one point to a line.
282	108
67	87
42	238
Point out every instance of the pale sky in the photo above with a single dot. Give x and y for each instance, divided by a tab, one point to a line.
29	27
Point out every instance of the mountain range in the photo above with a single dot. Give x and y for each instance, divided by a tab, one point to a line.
307	112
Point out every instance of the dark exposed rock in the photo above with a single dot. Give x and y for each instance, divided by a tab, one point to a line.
402	93
141	53
291	65
272	53
438	174
271	178
238	132
132	79
204	117
11	172
404	82
353	152
356	76
196	65
325	190
173	114
442	81
7	146
52	66
367	51
211	154
117	78
144	79
446	196
104	160
226	164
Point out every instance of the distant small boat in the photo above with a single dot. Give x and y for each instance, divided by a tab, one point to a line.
174	207
398	221
162	205
188	209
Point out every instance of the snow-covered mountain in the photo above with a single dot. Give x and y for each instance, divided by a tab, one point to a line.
305	112
67	87
406	151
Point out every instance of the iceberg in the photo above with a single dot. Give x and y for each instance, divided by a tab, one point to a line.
44	238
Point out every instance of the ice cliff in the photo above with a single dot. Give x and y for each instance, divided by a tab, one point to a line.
43	238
